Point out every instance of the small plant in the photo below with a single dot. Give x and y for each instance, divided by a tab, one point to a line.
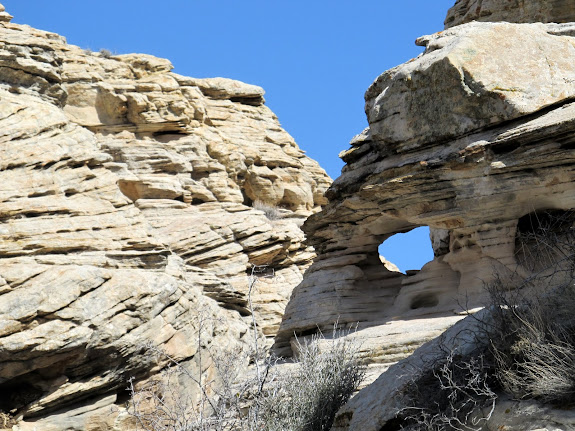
326	375
271	212
106	53
532	330
305	398
533	342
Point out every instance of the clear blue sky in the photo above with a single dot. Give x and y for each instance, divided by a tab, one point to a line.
315	59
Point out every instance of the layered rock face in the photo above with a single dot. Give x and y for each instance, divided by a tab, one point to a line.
127	213
519	11
470	138
467	139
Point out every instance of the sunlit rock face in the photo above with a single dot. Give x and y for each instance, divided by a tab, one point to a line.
519	11
474	138
127	212
467	138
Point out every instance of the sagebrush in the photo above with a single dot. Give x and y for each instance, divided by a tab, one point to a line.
300	396
272	212
307	398
532	331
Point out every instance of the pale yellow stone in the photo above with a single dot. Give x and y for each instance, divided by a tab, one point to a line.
125	195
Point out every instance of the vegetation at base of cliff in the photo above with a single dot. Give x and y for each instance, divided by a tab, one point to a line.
300	396
450	395
534	347
304	397
532	330
323	380
528	350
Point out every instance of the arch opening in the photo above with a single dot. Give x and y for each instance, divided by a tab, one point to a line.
408	251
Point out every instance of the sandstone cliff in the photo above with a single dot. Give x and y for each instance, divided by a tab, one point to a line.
470	138
129	205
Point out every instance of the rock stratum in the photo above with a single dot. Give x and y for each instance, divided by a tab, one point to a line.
518	11
129	215
474	138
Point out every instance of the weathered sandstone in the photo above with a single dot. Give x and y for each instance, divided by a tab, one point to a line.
127	213
377	405
519	11
455	144
470	138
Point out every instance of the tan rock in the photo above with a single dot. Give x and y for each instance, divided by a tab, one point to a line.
390	266
373	407
519	11
224	88
126	197
471	77
472	176
4	16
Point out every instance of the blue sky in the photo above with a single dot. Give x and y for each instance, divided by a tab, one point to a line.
315	59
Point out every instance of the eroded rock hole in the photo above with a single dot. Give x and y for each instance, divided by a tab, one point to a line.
408	251
546	240
424	300
17	394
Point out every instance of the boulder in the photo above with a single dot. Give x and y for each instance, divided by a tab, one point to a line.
469	78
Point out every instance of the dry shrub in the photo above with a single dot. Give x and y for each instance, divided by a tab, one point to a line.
545	243
530	333
532	330
456	394
533	342
272	212
303	398
106	53
185	398
324	379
